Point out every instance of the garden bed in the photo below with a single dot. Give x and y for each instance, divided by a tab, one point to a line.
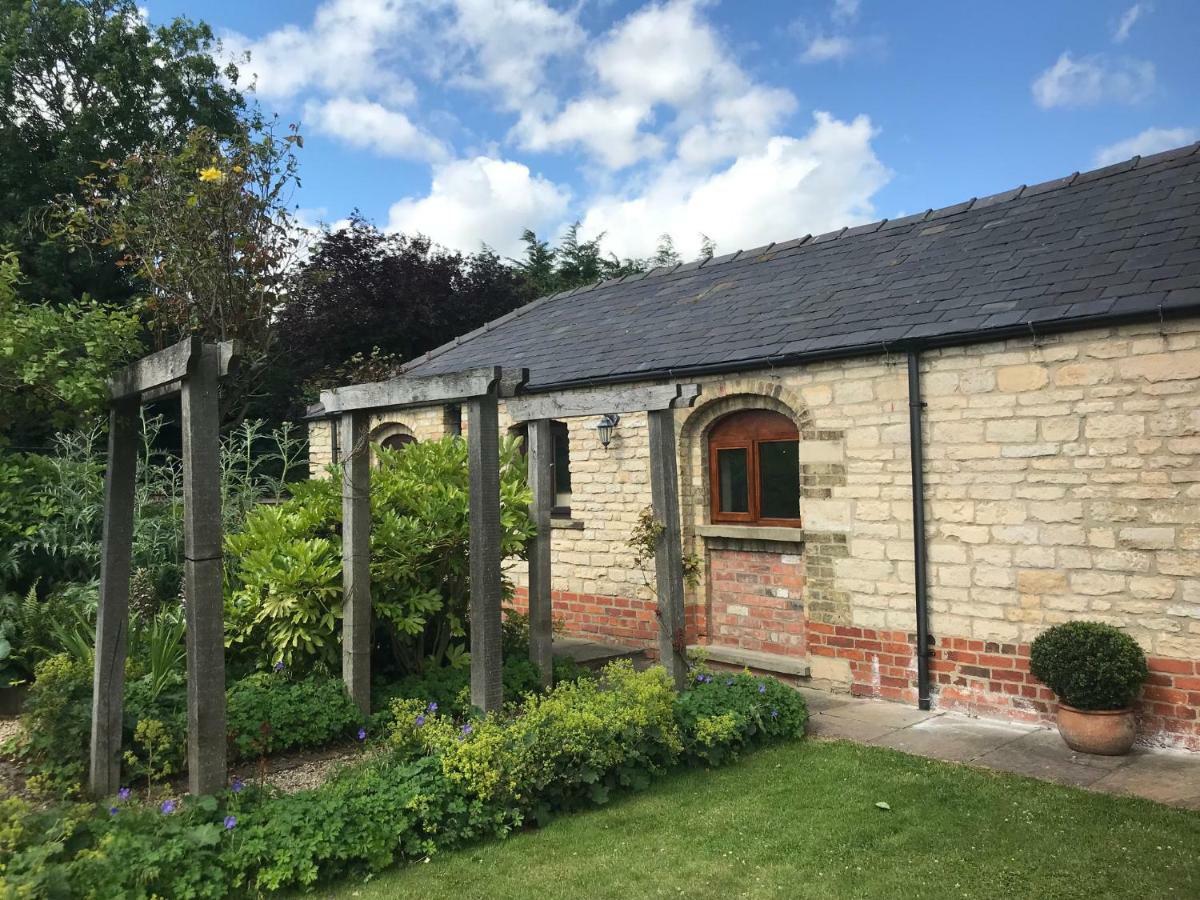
437	780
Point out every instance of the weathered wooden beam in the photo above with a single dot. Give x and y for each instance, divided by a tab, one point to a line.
156	370
539	454
112	616
405	391
202	545
230	359
668	557
356	557
483	454
598	401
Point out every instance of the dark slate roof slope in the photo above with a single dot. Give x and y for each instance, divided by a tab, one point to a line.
1123	241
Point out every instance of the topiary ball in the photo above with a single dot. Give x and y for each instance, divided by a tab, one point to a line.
1089	665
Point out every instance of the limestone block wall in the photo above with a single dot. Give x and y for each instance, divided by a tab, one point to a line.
1062	478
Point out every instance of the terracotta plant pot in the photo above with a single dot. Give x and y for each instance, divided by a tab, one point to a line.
1105	732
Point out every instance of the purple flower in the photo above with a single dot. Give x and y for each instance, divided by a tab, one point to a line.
123	793
762	688
362	734
420	721
774	714
237	786
230	822
112	810
467	729
729	682
700	678
433	707
279	666
167	807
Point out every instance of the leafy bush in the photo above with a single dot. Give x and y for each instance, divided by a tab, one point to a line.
1089	665
576	743
720	714
267	714
439	783
284	593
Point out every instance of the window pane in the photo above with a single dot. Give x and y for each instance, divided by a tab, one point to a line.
779	479
731	474
562	464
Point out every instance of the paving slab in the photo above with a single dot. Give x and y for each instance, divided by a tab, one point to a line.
1042	754
818	701
832	728
880	712
954	738
1168	776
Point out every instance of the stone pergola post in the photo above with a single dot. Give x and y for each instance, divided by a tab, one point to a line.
478	390
193	370
539	451
356	558
483	453
668	555
659	403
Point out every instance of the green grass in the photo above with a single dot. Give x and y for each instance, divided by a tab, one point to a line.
800	821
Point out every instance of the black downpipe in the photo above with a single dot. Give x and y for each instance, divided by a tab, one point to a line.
917	456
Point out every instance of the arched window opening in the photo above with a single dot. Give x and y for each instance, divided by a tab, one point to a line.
397	441
754	469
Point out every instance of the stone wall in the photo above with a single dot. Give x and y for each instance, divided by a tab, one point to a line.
1063	481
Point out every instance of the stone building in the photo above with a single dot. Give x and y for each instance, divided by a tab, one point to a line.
1054	334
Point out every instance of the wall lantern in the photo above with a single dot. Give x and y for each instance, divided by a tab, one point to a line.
605	428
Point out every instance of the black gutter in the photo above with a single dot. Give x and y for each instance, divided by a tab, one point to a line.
916	407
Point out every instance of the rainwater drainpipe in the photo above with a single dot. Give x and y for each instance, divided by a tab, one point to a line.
917	456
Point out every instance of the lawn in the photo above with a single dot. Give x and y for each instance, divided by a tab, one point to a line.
801	821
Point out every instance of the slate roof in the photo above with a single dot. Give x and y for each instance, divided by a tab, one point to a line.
1117	243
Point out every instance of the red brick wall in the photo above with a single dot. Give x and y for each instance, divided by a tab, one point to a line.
619	620
756	602
993	680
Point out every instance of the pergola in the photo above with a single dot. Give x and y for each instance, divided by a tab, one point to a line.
192	370
479	390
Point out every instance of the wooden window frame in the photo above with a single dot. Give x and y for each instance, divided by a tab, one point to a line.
558	431
753	428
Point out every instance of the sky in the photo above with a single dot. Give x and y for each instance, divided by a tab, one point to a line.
746	121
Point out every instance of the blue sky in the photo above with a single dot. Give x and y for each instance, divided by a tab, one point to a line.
745	121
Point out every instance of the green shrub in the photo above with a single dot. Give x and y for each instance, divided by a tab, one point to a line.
284	588
305	713
440	783
1089	665
720	714
575	744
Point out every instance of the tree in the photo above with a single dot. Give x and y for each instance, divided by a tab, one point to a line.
377	300
55	359
666	254
573	263
87	80
208	229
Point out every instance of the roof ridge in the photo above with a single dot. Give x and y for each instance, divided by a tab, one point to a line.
1021	191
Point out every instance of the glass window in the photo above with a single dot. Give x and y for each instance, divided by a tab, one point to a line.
731	469
560	465
754	468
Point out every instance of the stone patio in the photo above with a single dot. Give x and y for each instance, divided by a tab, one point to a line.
1166	776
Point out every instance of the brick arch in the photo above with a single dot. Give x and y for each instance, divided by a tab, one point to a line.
384	430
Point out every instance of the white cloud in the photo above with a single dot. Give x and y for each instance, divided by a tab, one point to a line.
821	181
824	48
481	201
1128	20
1094	79
346	50
1152	140
661	74
372	126
845	10
510	45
